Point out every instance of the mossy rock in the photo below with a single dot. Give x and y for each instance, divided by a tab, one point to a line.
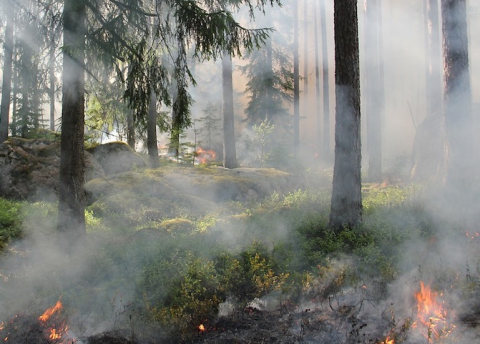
117	157
29	168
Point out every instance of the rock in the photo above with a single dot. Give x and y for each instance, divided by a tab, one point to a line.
29	169
117	157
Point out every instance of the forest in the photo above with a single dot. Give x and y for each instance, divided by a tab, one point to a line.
245	171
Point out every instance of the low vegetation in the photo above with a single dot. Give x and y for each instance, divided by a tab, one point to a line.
177	273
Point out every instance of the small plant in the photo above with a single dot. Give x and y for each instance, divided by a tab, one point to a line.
263	136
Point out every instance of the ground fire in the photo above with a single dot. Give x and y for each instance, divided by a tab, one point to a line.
431	315
48	328
203	156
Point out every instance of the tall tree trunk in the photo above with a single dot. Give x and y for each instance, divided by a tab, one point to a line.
71	207
130	129
433	53
317	81
174	147
346	204
7	72
305	52
326	88
152	131
296	82
51	91
229	149
458	120
269	71
373	91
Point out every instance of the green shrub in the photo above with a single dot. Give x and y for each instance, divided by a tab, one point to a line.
10	221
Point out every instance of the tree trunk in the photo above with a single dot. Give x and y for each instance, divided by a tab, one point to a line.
346	204
373	91
317	81
269	74
296	82
458	120
7	72
326	88
51	92
229	149
306	44
152	131
130	129
433	53
71	207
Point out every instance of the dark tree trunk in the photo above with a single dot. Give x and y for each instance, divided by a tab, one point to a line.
346	204
373	91
269	71
7	72
152	131
130	129
71	207
296	82
326	88
229	150
317	81
458	120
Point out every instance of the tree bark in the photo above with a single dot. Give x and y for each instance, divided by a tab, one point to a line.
326	88
457	94
7	72
71	207
229	149
317	80
296	82
152	131
346	203
51	92
433	53
305	52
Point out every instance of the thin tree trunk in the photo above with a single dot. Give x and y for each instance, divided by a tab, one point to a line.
7	72
296	82
373	91
317	80
71	207
51	92
433	53
458	120
326	88
229	149
130	129
305	52
346	204
152	131
269	81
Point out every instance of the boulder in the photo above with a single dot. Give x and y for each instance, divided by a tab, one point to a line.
117	157
29	169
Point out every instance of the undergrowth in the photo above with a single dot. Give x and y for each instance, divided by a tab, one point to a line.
177	272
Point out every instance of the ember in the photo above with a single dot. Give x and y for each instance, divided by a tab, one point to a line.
201	328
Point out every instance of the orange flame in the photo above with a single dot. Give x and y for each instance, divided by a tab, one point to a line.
50	311
203	156
431	313
201	327
388	341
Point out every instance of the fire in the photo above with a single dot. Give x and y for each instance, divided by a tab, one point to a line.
201	328
203	156
50	311
388	341
431	314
